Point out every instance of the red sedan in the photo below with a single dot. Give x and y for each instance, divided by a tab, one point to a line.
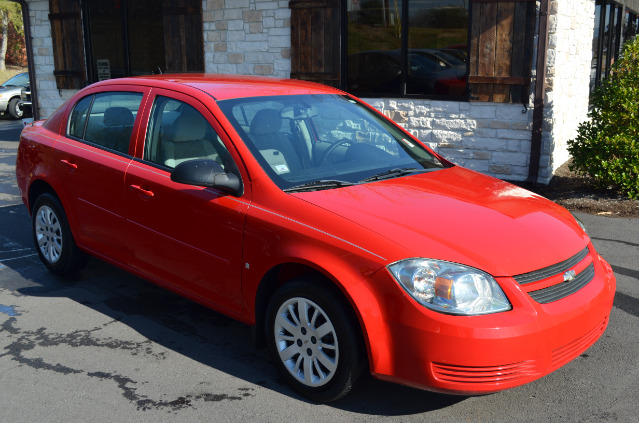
345	242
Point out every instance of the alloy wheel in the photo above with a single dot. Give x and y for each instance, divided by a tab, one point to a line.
48	231
306	341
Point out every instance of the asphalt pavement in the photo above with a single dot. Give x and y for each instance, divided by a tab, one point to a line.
105	346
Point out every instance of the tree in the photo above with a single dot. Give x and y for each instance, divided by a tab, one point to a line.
10	13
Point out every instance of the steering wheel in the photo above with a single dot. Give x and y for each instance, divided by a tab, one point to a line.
333	147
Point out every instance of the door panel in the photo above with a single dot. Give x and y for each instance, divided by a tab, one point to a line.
95	177
92	161
187	236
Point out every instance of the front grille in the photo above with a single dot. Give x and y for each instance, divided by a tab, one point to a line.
487	374
555	274
562	290
549	271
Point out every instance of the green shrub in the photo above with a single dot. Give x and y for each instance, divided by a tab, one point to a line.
607	145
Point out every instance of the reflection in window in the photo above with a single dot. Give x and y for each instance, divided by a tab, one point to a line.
434	53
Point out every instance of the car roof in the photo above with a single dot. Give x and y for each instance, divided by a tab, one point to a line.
224	87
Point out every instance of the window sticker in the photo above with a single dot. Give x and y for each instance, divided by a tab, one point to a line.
282	168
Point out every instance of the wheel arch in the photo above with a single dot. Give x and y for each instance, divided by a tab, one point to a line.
290	271
39	186
36	189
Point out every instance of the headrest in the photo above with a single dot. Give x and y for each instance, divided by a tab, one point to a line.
266	121
118	116
189	126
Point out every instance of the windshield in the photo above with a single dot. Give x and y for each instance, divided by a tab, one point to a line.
324	141
20	80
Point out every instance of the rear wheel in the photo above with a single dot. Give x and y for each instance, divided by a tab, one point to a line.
53	238
313	340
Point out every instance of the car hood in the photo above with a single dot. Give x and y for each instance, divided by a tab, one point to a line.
460	216
4	89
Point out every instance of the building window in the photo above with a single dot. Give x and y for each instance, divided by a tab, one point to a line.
95	40
477	50
614	24
136	37
427	57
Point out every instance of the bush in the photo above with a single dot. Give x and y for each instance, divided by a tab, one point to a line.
607	145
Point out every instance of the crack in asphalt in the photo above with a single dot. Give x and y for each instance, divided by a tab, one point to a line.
28	340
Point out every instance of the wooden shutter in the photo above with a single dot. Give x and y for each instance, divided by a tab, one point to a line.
183	35
315	41
68	44
502	33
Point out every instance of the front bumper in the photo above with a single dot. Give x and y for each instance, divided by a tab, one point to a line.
25	106
482	354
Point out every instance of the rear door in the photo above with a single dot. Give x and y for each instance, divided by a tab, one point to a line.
92	160
185	236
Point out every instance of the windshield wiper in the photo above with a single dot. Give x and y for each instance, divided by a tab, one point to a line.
319	185
393	173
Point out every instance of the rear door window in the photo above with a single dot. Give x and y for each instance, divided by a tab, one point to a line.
106	119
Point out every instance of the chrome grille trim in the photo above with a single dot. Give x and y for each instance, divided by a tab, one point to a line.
562	290
553	270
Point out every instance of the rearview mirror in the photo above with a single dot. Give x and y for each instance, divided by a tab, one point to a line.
207	173
297	112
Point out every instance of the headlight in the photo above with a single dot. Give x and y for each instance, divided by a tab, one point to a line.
581	224
450	288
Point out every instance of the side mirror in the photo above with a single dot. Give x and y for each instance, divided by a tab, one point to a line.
207	173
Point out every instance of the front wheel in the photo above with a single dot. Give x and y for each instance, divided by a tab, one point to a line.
313	340
14	109
53	238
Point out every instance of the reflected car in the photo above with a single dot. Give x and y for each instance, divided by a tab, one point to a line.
380	72
346	243
10	94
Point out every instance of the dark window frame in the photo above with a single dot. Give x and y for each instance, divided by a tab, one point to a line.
612	17
71	39
314	59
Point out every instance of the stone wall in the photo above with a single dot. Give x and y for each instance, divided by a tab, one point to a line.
487	137
571	29
247	37
49	97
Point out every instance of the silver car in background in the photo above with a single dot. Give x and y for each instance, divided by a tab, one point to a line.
10	94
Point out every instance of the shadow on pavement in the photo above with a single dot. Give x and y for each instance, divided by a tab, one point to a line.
182	326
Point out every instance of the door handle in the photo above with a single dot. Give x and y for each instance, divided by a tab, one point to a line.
71	166
142	191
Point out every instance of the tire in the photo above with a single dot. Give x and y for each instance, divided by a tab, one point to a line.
318	352
13	108
53	238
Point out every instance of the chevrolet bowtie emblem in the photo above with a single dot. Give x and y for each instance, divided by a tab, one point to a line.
569	276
